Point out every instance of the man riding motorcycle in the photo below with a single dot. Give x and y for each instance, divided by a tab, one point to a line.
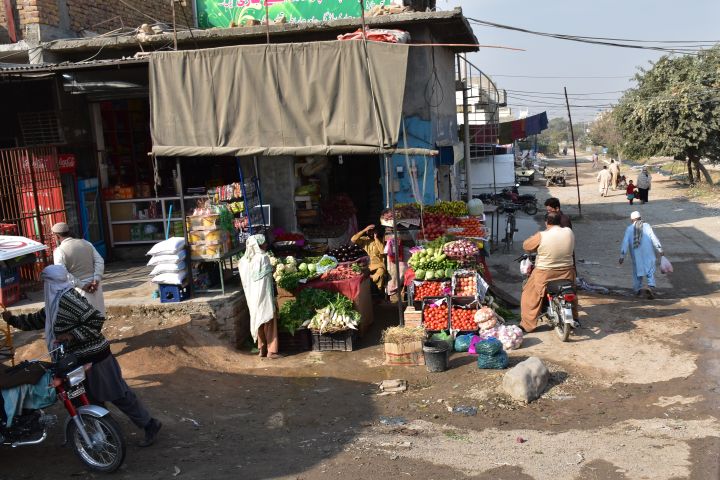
68	318
554	247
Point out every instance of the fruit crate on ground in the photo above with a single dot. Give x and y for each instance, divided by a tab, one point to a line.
345	341
300	341
419	290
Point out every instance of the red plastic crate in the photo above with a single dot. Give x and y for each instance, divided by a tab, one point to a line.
10	295
8	229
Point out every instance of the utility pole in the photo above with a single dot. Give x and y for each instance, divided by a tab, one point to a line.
572	133
466	123
172	4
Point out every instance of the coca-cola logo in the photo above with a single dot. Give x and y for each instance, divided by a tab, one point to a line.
12	244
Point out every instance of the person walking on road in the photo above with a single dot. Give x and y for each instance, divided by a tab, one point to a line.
594	161
630	192
84	264
615	172
644	182
603	178
641	242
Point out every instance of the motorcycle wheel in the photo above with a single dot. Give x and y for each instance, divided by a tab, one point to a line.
109	454
562	328
531	209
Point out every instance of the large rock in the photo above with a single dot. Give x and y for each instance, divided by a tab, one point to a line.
526	381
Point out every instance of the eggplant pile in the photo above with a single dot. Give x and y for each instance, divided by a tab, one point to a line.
347	253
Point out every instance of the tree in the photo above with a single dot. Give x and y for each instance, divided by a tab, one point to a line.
604	132
675	111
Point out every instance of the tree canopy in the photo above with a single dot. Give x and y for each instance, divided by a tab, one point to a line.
674	110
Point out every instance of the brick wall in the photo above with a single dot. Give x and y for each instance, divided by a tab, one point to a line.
94	15
84	14
4	37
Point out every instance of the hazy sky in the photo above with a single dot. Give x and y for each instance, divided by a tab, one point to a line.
630	19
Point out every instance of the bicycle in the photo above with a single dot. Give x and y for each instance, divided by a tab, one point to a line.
510	228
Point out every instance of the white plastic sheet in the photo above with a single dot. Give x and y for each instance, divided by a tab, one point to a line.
13	247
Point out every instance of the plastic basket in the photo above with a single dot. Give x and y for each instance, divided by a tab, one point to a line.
10	295
173	293
335	342
300	341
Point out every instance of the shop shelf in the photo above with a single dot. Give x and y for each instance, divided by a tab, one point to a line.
147	220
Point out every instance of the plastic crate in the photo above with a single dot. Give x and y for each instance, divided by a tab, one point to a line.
417	302
429	300
301	341
9	276
8	229
335	342
10	295
173	293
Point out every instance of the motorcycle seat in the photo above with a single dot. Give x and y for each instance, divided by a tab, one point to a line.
29	374
555	287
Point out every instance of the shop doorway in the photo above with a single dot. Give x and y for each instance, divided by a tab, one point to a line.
359	177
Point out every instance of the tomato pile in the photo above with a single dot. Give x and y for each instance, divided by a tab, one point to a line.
435	317
466	286
471	227
463	319
428	289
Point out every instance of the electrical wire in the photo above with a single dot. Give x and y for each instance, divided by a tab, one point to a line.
683	47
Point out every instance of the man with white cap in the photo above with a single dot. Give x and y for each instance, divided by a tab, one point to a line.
84	264
641	242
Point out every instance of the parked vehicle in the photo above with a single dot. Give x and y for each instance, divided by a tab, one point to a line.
511	198
525	175
90	430
555	176
557	305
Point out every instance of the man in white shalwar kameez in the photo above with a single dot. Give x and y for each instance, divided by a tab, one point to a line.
641	242
603	178
256	277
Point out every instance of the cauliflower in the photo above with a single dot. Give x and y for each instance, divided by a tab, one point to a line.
273	261
291	261
280	268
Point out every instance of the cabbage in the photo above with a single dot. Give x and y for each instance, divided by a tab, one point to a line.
291	261
303	267
420	274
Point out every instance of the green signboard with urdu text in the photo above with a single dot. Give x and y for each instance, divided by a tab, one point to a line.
226	13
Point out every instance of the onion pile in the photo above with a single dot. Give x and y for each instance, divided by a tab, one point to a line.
485	318
460	249
510	336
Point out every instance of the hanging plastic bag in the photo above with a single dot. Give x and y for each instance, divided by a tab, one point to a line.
525	266
665	265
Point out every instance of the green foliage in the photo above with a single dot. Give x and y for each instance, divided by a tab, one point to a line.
605	132
674	110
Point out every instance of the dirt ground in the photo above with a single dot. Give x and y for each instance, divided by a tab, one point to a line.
633	395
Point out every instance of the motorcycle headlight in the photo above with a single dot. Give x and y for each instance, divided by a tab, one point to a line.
76	376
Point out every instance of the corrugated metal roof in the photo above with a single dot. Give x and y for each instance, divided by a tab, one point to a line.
40	68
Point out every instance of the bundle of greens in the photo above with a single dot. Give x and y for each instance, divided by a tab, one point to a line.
338	316
296	312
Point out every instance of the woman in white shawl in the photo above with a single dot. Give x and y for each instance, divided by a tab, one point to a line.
256	278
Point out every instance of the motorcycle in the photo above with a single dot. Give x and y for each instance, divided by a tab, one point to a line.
557	304
510	198
92	433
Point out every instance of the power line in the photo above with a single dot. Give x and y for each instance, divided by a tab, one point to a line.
629	77
683	48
